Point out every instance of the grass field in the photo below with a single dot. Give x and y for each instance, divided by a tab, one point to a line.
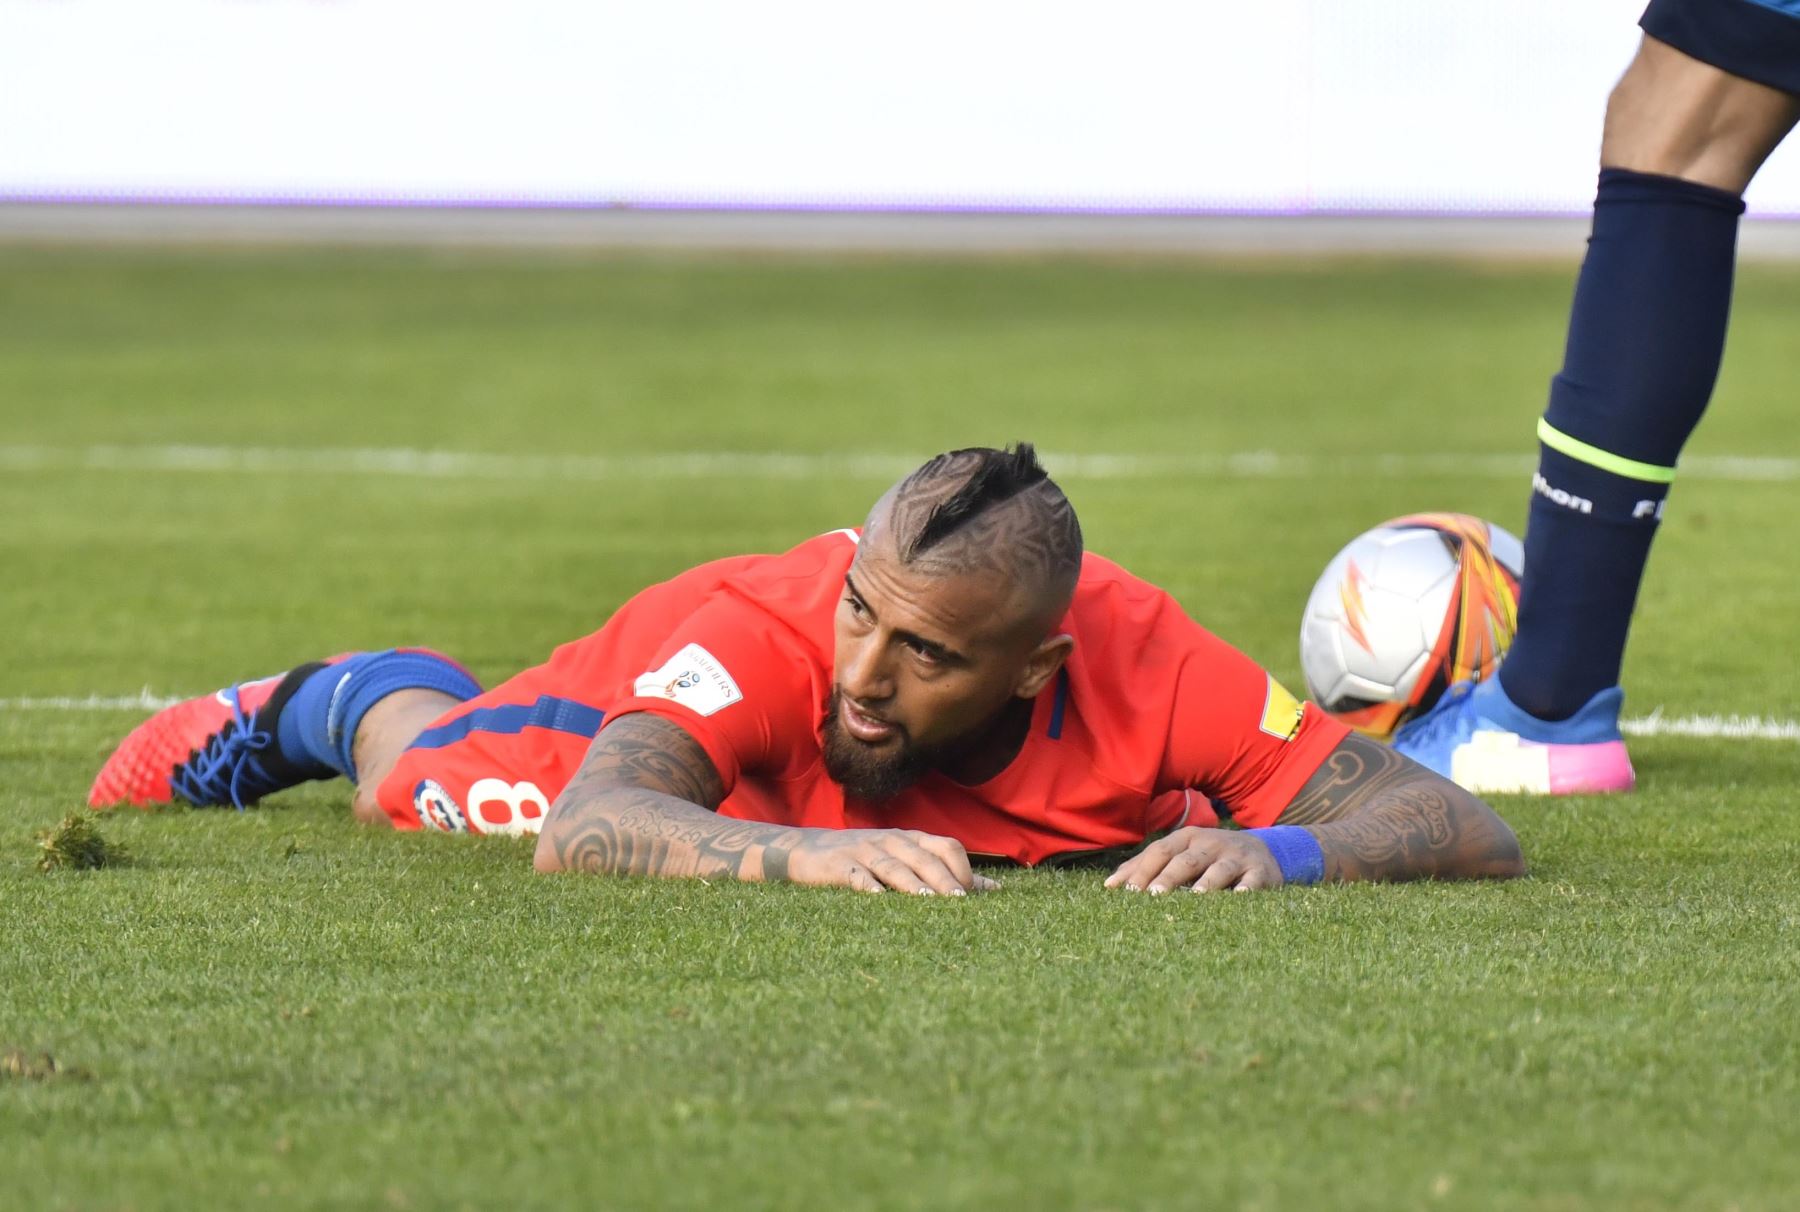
281	1008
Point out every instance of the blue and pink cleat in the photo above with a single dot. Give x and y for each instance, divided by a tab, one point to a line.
1478	738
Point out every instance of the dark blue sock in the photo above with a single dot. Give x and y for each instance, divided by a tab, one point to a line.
317	726
1646	335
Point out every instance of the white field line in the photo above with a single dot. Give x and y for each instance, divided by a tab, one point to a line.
143	700
1706	727
780	465
1713	727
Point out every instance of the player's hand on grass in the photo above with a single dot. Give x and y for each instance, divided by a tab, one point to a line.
1204	860
875	860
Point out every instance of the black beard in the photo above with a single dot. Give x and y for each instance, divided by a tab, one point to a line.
862	770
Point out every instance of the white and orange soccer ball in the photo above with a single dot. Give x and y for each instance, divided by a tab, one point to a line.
1405	611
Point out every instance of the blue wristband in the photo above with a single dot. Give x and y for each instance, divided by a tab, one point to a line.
1297	852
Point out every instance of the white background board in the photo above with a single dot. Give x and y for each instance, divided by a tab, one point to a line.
1277	106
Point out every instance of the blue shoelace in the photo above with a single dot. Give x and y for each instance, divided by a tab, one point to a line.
226	771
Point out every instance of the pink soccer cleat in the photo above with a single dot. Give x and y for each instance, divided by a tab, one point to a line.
213	750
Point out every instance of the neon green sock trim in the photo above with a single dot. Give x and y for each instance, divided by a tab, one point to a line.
1619	465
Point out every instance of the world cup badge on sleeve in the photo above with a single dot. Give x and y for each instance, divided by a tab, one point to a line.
694	678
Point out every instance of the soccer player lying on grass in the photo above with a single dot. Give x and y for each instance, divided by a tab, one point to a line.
872	711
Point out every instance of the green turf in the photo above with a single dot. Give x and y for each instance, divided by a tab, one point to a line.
281	1008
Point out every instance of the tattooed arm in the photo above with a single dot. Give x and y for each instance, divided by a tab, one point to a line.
1377	815
644	800
642	804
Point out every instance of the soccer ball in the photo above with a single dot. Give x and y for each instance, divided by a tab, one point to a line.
1405	611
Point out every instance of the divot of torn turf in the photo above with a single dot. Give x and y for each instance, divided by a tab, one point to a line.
17	1063
77	844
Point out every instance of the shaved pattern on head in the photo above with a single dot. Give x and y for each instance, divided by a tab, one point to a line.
987	510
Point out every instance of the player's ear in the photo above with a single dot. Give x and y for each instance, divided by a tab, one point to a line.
1042	664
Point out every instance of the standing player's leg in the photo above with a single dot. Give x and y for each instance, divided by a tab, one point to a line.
1646	337
1686	130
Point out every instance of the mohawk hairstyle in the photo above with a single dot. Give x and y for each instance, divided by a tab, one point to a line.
999	475
998	511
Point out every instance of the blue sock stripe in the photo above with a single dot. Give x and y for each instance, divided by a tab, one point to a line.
1297	852
365	680
301	731
558	715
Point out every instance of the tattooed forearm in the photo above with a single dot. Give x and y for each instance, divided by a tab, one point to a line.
1357	772
775	857
642	804
644	833
1414	834
1381	816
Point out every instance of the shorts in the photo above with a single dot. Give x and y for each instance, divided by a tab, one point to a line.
494	763
1756	39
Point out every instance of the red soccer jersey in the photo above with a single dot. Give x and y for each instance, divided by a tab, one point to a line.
1152	717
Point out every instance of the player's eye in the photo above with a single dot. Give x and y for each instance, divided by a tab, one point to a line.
925	654
856	606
